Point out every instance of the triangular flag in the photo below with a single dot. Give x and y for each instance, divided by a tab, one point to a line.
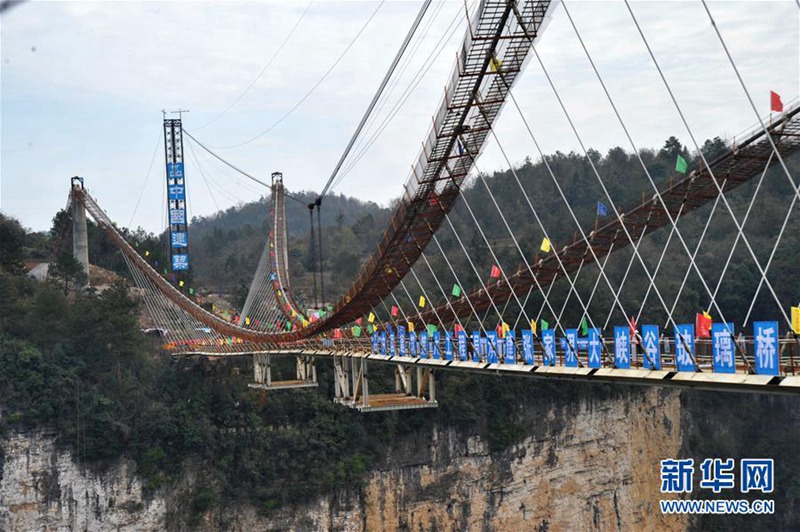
191	291
147	253
506	328
601	209
421	301
533	326
180	283
247	320
431	329
358	321
356	331
796	320
545	325
394	311
456	291
632	327
305	322
584	327
545	245
371	317
410	326
495	273
680	165
136	244
775	102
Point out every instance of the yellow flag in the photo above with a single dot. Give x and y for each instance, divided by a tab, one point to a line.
796	320
180	283
421	301
305	322
147	253
410	326
294	314
545	245
533	326
495	64
371	317
706	315
506	328
247	320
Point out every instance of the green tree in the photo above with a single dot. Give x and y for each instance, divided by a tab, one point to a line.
69	270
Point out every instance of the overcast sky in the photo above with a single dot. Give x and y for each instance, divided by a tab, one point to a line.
84	83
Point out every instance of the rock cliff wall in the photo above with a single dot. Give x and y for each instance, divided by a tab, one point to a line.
590	464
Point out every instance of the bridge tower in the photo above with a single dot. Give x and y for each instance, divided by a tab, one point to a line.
176	195
80	233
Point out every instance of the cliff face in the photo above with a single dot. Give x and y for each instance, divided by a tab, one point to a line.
42	488
590	464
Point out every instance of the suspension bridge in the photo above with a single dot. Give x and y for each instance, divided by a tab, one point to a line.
387	315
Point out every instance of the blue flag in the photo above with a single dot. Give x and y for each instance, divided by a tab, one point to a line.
601	209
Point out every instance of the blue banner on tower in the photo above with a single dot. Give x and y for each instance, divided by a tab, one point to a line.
412	344
549	347
652	353
527	346
179	240
484	348
622	347
383	342
423	344
571	348
723	347
595	348
375	343
176	192
436	350
765	347
175	173
392	344
180	262
684	347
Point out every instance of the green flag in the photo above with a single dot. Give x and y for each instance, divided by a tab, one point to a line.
431	329
288	326
680	165
370	329
191	291
545	325
584	327
356	331
456	290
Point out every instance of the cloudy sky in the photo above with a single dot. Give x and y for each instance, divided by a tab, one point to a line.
84	83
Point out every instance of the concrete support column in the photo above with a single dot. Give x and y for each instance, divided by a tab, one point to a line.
80	234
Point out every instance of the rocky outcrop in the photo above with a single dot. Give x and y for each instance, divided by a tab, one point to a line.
590	464
43	488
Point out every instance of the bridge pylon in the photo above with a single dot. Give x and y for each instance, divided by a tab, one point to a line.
80	233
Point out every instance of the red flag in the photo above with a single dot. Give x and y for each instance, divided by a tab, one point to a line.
703	326
394	311
434	199
358	321
632	328
495	272
775	101
458	328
